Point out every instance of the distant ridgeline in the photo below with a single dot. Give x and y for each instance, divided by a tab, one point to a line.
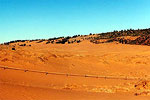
130	36
58	40
139	37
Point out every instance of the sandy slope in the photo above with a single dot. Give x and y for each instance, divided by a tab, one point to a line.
109	59
34	93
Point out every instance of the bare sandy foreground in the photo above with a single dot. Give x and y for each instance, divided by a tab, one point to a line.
109	59
13	92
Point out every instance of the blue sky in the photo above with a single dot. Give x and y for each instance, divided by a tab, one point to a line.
34	19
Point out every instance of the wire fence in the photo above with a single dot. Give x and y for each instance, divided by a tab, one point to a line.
71	75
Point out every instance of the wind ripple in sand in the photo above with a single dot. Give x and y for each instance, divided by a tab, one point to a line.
125	59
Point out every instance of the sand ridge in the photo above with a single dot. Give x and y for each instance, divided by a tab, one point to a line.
85	58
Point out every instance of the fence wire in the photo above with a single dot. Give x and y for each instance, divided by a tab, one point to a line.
71	75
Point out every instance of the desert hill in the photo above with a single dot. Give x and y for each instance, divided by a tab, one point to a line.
122	68
130	36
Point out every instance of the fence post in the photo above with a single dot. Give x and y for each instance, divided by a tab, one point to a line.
25	70
67	75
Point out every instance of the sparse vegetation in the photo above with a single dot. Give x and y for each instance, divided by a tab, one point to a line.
22	45
143	38
13	48
48	42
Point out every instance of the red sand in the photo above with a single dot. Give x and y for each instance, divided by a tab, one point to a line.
107	59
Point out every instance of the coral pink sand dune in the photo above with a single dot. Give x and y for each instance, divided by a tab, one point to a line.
12	92
122	62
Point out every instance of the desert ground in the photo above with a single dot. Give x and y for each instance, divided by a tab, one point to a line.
122	70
